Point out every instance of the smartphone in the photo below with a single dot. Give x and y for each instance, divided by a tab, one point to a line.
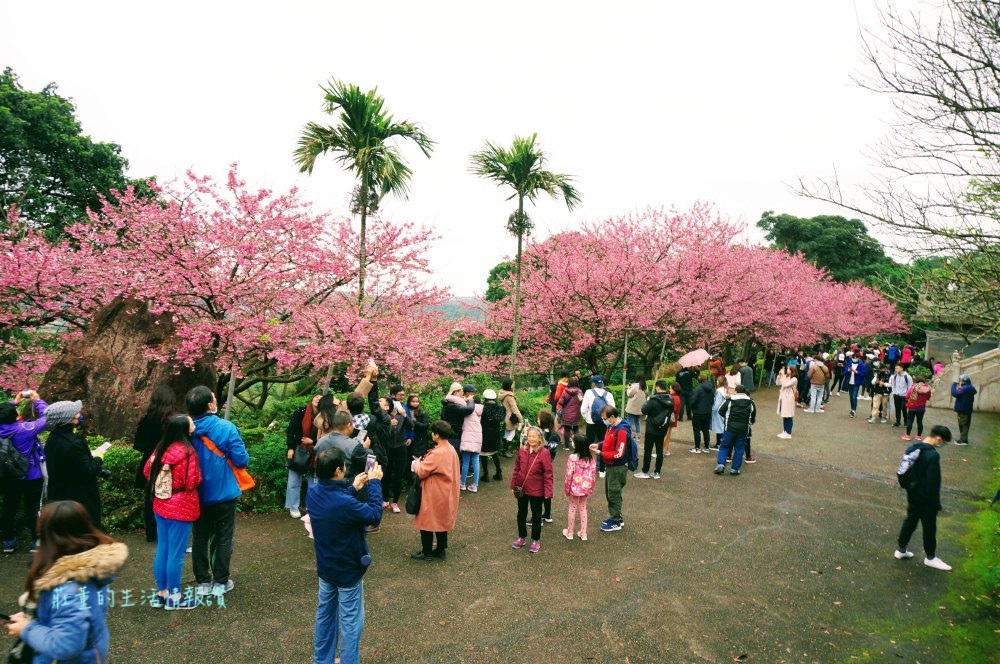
26	393
362	435
369	463
4	618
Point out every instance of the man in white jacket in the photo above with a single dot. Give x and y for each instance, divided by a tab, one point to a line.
900	382
595	426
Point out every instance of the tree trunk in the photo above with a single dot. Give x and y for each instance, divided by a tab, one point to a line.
362	250
517	290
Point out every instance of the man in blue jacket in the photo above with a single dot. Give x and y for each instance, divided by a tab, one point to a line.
964	392
339	520
212	538
854	377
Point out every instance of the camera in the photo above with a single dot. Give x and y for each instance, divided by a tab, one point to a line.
26	393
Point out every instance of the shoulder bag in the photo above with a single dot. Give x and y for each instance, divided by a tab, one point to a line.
519	490
242	475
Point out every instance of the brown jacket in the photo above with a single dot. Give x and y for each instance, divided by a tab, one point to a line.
818	373
509	402
438	471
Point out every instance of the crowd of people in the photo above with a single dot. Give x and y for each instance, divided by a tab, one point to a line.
352	459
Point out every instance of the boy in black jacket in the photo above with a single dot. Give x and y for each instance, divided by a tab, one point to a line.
920	475
738	413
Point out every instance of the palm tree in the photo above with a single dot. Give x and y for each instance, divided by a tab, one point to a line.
521	167
362	142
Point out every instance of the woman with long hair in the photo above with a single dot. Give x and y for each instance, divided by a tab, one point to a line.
173	476
65	607
162	404
633	407
787	382
301	432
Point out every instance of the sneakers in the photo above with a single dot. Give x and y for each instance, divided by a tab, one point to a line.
385	503
546	519
473	488
719	469
751	459
602	473
961	442
937	563
853	414
395	508
157	601
219	589
568	535
461	487
175	603
655	475
896	425
9	546
35	545
639	475
883	421
518	543
609	526
203	589
905	436
695	450
734	472
373	529
420	555
784	436
535	546
902	555
917	437
296	514
871	420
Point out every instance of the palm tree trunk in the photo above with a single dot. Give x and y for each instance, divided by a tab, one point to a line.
363	248
517	291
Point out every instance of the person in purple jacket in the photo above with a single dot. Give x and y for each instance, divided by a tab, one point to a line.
26	492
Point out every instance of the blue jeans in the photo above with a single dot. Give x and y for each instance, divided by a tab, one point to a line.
786	423
816	394
734	443
852	391
636	422
293	494
340	616
171	543
470	458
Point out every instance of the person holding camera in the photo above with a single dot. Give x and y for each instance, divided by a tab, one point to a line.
73	469
27	491
339	520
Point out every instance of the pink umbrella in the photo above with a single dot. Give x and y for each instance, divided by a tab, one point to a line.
695	358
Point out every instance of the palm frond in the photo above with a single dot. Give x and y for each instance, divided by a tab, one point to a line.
522	168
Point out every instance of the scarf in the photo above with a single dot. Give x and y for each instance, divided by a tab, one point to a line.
308	430
361	420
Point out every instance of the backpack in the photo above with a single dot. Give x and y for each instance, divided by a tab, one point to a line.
631	449
163	488
13	464
663	420
892	354
493	415
599	403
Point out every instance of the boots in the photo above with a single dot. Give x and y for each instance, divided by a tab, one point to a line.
484	469
499	475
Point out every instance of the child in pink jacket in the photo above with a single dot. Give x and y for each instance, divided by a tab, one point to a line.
581	471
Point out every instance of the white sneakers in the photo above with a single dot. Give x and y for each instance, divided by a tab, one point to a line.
296	514
784	436
937	563
640	475
902	555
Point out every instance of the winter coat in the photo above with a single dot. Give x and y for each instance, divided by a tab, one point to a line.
147	435
355	454
859	372
702	398
492	422
786	395
472	431
917	398
738	412
439	472
588	401
900	383
922	465
718	425
614	447
73	471
183	504
70	623
418	432
535	474
25	438
654	409
636	397
218	484
907	354
717	367
817	374
295	433
580	476
732	380
746	378
560	388
685	378
338	515
509	401
964	394
881	384
453	411
569	403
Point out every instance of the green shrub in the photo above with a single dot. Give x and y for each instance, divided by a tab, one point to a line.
121	500
267	465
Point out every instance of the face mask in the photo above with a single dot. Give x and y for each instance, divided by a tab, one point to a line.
607	423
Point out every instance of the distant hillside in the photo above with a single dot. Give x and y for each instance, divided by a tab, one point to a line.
459	307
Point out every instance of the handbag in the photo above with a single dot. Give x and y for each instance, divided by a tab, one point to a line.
302	459
519	490
413	497
243	478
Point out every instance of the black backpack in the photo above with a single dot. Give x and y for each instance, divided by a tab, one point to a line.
13	464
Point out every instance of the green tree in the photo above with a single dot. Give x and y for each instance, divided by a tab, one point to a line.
521	167
48	169
364	142
840	246
499	274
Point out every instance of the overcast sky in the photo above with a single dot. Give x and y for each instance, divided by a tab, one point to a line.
645	103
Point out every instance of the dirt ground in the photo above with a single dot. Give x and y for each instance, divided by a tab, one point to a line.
789	562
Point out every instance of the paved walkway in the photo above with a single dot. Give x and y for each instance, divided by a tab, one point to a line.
790	562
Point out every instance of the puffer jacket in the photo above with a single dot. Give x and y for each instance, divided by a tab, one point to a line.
454	411
738	413
70	625
183	503
472	431
917	398
25	438
570	402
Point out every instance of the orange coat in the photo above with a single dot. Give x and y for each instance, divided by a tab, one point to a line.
438	471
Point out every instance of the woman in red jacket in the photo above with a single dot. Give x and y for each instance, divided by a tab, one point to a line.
173	476
532	478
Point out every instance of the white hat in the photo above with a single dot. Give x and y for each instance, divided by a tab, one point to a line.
489	394
455	387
